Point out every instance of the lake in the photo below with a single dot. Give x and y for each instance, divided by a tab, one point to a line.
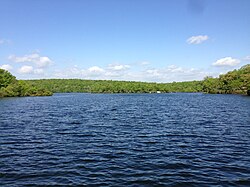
175	139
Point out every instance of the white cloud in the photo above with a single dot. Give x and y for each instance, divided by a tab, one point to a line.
43	61
153	72
197	39
113	74
40	61
118	67
95	69
6	67
30	70
227	61
174	69
26	70
163	74
172	73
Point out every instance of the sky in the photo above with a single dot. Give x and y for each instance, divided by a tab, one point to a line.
133	40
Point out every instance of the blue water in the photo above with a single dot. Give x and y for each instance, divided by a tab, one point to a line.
125	140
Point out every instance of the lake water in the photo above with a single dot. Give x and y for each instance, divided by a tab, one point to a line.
125	140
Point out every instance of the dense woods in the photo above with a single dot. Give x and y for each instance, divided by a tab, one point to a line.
108	86
11	87
233	82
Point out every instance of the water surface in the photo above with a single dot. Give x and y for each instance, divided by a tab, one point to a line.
125	140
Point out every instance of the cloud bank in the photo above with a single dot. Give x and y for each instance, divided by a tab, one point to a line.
128	73
36	66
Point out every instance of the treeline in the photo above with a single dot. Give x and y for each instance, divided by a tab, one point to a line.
109	86
233	82
11	87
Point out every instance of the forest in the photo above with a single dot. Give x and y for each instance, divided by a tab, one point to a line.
109	86
233	82
11	87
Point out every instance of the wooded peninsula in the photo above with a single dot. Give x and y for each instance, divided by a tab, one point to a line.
233	82
11	87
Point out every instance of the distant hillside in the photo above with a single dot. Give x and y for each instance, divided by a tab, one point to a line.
10	87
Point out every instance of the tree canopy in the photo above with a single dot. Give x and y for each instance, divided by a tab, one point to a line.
11	87
109	86
233	82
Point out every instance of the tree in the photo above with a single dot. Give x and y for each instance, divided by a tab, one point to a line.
210	85
10	87
6	78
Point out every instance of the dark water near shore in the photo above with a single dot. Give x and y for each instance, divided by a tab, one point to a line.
125	140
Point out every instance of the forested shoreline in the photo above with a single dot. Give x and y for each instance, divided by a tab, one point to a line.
109	86
233	82
11	87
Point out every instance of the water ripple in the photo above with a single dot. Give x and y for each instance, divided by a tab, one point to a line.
125	140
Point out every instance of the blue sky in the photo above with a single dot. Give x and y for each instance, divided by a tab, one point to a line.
141	40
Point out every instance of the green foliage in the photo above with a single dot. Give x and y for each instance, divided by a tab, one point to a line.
237	81
10	87
233	82
6	78
211	85
109	86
